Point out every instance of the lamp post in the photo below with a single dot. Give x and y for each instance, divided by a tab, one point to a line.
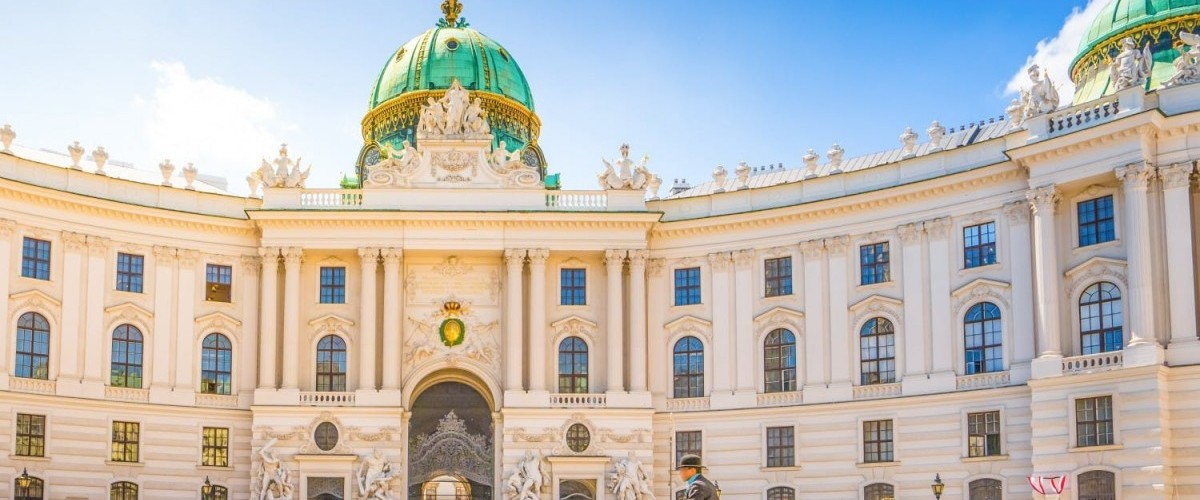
206	490
23	482
938	486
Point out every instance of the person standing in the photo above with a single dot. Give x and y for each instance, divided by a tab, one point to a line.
698	486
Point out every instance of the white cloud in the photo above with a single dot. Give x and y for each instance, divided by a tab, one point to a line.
1055	54
222	129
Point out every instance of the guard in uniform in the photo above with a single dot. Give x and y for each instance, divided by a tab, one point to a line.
698	486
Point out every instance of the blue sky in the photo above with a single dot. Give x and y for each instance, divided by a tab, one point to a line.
693	84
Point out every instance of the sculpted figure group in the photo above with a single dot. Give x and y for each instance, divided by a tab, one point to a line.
282	172
527	481
630	481
374	477
274	479
455	114
626	175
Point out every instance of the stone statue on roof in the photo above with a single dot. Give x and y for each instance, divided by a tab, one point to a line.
1041	97
1187	65
455	115
1131	67
625	175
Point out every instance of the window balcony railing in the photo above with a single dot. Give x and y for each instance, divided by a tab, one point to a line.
217	400
1089	363
784	398
321	398
567	400
982	380
135	394
687	404
876	391
34	385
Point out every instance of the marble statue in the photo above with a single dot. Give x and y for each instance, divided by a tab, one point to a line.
76	152
283	172
621	483
527	481
374	477
396	169
7	134
1041	97
167	169
810	163
936	133
1187	65
100	156
625	175
454	115
274	480
432	117
1131	67
502	160
630	480
474	116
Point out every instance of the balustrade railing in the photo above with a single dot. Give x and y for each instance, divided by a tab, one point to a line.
331	198
577	200
1084	115
315	398
35	385
1093	362
127	394
578	400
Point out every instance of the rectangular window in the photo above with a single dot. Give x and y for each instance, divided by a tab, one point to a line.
688	443
31	435
1096	221
125	438
129	272
877	441
218	283
333	285
35	259
983	434
687	286
781	450
778	276
874	263
215	448
979	245
572	287
1094	421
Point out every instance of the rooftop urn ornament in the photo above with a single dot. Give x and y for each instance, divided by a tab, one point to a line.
1187	65
1041	97
936	133
652	186
624	175
76	152
909	140
100	156
810	163
835	155
189	176
1015	112
719	176
167	169
7	134
743	175
253	182
1131	67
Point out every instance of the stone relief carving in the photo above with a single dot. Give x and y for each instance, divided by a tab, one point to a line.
374	477
455	116
980	290
625	175
548	435
282	172
528	480
310	447
395	168
1131	67
634	436
1187	65
1096	269
1042	200
1177	175
480	343
878	305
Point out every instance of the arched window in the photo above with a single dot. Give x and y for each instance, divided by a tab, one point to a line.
123	490
216	365
572	366
878	491
982	339
878	350
985	489
33	346
35	490
689	368
126	357
331	364
217	493
1097	485
781	493
779	361
1100	318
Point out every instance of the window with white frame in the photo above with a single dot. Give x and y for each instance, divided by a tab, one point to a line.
979	245
1094	421
874	263
781	446
877	441
982	339
777	277
1101	319
983	434
1096	222
877	343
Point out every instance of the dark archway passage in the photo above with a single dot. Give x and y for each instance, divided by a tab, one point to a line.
450	435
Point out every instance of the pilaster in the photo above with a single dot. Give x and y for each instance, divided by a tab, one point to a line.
744	353
537	320
816	331
393	308
1143	346
164	291
70	361
722	326
1043	203
269	319
94	334
292	258
1181	280
614	267
637	320
514	265
185	321
368	266
7	228
1020	254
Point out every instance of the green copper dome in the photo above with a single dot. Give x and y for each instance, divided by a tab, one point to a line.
1153	22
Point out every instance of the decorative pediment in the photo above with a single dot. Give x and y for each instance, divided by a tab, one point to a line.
217	321
979	290
33	299
331	323
689	324
128	311
878	305
1095	269
574	325
780	315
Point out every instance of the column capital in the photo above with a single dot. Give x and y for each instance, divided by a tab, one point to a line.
514	256
837	244
719	261
654	267
812	249
1136	175
98	245
270	256
937	228
250	263
1017	212
7	227
187	257
74	241
369	255
392	256
910	233
293	256
638	257
538	256
163	254
742	259
614	257
1043	199
1177	175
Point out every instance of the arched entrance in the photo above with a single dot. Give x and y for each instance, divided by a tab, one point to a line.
450	449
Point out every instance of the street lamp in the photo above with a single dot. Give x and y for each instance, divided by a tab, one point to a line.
23	482
206	490
938	486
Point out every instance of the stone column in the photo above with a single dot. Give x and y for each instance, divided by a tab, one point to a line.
369	262
292	257
913	279
816	345
614	267
745	337
1139	321
514	334
1043	201
249	265
74	246
537	319
722	321
637	320
269	322
1020	253
94	334
1181	277
185	322
839	329
164	291
657	299
940	317
7	227
393	304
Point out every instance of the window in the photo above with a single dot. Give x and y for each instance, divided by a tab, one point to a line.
985	489
31	436
33	346
689	368
979	245
333	285
1094	421
217	493
779	361
1097	485
35	259
129	272
878	352
578	438
331	364
123	490
983	434
126	357
878	491
778	276
218	283
1096	221
877	441
1100	319
214	451
781	449
688	443
573	366
572	287
36	490
982	339
125	437
781	493
687	286
326	436
216	365
874	263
